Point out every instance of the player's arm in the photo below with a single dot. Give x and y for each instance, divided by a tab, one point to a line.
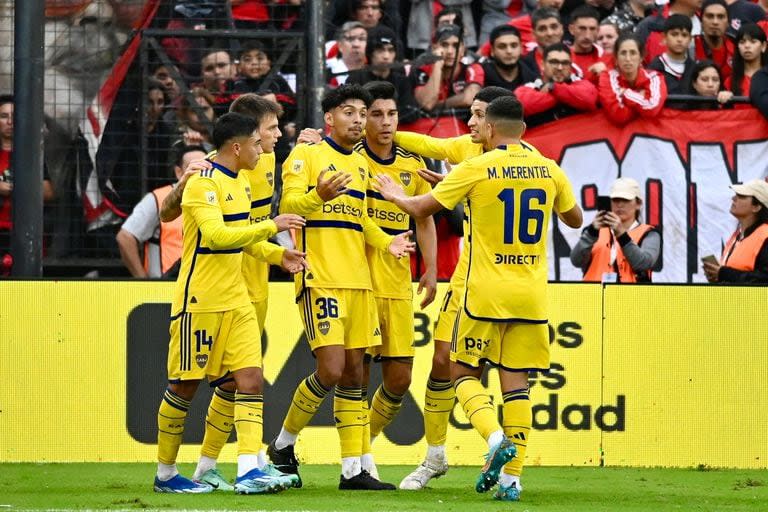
565	203
419	206
297	196
266	251
129	253
573	217
426	235
424	145
171	208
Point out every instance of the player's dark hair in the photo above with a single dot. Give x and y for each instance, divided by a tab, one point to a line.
584	11
556	47
628	36
232	125
6	98
678	21
490	93
337	97
255	106
503	30
381	90
506	108
180	151
544	13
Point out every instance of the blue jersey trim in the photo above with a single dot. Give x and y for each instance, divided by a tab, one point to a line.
393	231
375	195
191	270
229	217
208	250
261	202
343	224
375	158
338	148
356	194
224	170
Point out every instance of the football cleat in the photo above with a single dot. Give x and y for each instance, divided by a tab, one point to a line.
420	476
284	460
494	462
257	482
363	481
216	480
180	485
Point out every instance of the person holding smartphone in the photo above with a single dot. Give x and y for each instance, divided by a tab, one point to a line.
617	246
745	255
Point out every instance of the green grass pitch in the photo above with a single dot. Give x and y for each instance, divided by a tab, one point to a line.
129	487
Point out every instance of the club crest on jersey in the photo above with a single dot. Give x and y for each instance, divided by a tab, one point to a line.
297	165
201	360
405	177
324	326
270	179
210	196
362	173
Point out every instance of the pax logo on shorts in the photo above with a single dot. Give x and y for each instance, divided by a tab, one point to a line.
405	177
475	343
324	326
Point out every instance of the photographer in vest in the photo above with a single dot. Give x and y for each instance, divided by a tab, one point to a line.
161	240
617	246
745	255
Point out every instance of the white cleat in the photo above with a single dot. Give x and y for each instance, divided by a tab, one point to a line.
420	476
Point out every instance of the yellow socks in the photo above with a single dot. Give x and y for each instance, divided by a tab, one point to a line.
249	422
438	404
366	421
170	426
348	413
384	407
476	402
218	422
517	426
307	399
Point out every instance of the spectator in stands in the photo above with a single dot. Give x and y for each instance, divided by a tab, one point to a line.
629	91
607	34
165	76
504	67
254	64
750	56
448	83
547	30
161	241
758	91
603	7
371	13
617	247
217	69
383	54
712	43
251	14
586	54
745	255
706	80
501	12
423	22
6	180
651	29
351	39
557	93
192	129
629	14
675	63
741	12
159	134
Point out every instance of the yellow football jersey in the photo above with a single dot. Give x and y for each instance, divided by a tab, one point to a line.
511	192
336	231
392	276
455	150
216	209
262	185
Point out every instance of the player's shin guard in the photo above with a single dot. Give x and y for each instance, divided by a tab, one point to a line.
476	402
384	407
518	418
366	421
170	426
307	399
249	422
218	422
438	404
347	411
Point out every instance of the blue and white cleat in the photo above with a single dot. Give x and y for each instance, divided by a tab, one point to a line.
258	482
503	493
180	485
494	462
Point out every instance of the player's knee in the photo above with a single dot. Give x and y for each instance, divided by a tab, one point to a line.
185	389
330	374
249	381
441	361
398	382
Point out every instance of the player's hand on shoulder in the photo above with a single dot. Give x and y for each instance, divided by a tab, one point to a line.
388	188
194	167
288	221
401	245
431	177
310	136
330	186
294	261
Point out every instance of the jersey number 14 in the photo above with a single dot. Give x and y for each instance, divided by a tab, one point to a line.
531	224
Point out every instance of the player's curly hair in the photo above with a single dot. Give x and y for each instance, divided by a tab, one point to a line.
337	97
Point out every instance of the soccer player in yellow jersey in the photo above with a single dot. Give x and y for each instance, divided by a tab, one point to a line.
327	183
503	317
212	321
392	276
440	396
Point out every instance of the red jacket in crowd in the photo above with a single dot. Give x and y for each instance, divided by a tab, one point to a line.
623	102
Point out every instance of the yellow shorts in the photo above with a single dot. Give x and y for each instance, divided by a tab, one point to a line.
446	319
261	313
396	321
513	346
339	316
213	344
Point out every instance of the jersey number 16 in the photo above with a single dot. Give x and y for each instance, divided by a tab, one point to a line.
529	214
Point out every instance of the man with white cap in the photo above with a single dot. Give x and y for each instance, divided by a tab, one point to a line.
745	255
617	247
